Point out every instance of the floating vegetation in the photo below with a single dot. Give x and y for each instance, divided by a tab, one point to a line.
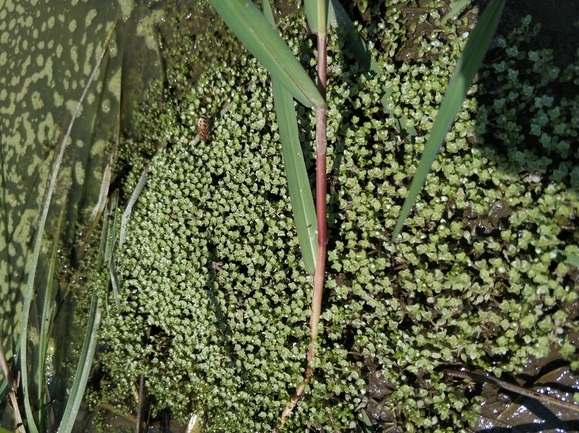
213	295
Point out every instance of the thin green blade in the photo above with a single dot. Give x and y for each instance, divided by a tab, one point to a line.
261	39
295	167
456	8
339	18
29	294
317	15
83	370
297	176
466	68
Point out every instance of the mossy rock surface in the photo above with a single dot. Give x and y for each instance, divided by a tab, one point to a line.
211	268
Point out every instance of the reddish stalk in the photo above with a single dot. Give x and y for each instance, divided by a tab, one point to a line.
321	144
11	390
320	199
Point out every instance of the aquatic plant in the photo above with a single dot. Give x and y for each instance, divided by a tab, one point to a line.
214	299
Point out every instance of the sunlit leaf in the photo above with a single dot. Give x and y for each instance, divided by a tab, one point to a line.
295	167
262	40
465	70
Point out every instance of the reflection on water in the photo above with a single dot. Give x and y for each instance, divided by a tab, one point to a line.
47	53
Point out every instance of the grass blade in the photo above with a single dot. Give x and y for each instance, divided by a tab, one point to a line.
261	39
37	244
134	196
317	15
339	18
47	319
466	68
297	176
456	8
295	167
97	210
84	367
108	245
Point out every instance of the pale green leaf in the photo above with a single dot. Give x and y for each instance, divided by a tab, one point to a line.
262	40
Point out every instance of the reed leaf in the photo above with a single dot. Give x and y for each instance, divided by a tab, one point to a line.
262	40
83	369
465	70
129	209
29	294
47	319
295	167
340	19
456	8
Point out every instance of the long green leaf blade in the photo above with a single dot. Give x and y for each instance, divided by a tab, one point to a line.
29	294
456	8
47	321
339	18
261	39
295	167
317	15
297	176
466	68
83	370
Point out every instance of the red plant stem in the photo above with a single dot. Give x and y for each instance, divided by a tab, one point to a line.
11	390
321	142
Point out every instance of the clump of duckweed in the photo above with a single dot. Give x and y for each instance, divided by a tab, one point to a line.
211	268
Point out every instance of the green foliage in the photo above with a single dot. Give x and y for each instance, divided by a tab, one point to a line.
212	269
262	40
464	71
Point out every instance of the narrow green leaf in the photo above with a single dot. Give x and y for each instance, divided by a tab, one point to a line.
298	183
456	8
339	18
366	424
466	68
29	294
47	318
83	369
268	12
134	196
317	15
261	39
297	176
97	211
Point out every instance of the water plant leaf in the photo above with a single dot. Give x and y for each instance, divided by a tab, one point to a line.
262	40
465	70
295	167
